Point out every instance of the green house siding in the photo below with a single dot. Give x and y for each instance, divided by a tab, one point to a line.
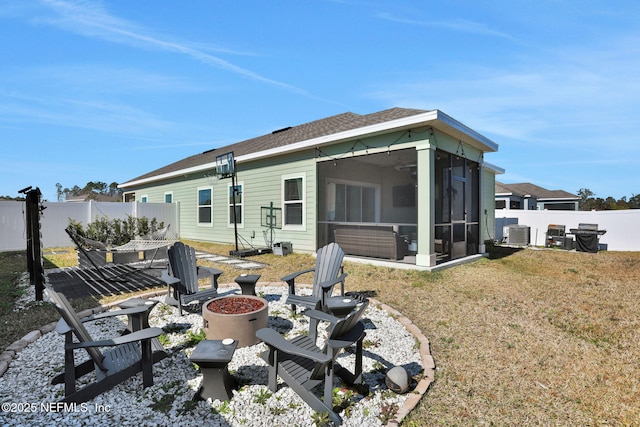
261	184
488	215
399	170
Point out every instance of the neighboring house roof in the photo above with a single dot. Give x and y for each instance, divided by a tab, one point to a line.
527	190
317	133
504	190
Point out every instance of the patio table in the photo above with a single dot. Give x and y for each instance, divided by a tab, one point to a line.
213	356
247	283
340	306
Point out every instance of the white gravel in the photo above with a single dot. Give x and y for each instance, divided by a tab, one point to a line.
26	385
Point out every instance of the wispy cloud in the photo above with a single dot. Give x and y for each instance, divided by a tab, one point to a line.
458	25
96	78
567	90
18	108
91	19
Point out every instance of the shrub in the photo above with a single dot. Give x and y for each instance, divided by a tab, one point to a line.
116	231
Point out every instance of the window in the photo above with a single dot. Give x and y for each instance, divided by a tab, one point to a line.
239	203
168	197
205	206
352	202
144	199
293	202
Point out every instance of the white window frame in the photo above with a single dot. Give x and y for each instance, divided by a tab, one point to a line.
168	193
198	206
303	201
144	199
230	206
376	187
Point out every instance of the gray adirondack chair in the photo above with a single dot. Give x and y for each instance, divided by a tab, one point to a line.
182	277
125	356
328	272
303	365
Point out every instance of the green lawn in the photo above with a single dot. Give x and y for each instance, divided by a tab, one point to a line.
530	337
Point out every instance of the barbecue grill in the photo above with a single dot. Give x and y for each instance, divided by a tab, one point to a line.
587	236
556	237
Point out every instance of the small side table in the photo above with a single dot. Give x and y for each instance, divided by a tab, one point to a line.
140	320
213	357
247	283
341	306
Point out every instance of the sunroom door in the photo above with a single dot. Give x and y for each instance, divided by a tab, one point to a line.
457	206
459	215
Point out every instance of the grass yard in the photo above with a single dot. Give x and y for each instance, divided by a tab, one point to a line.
529	337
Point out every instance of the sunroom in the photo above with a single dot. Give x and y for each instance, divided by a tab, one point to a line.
416	202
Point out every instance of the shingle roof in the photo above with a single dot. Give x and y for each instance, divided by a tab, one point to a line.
526	188
503	188
327	126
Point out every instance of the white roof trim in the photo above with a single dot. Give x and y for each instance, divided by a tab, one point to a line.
169	175
495	169
542	199
450	121
418	119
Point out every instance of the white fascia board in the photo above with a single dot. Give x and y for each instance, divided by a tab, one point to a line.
488	144
169	175
493	168
345	135
549	199
429	118
424	119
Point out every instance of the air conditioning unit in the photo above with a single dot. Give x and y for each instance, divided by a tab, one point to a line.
518	235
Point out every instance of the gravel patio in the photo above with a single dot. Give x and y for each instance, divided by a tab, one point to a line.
391	340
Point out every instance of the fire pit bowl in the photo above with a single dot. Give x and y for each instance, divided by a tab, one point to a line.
235	316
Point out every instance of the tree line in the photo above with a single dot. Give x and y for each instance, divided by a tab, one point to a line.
589	201
91	190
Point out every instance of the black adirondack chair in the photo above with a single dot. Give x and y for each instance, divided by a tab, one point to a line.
124	357
303	365
182	277
328	272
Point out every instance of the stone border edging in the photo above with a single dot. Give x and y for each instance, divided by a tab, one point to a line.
427	363
410	403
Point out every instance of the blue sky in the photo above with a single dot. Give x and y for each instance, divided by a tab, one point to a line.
109	90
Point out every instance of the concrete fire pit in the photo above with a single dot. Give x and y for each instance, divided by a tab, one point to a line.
235	316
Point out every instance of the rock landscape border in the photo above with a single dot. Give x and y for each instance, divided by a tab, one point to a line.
410	403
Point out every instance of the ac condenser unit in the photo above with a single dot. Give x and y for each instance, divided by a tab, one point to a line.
519	235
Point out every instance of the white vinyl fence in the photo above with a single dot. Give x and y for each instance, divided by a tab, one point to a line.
55	218
622	226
